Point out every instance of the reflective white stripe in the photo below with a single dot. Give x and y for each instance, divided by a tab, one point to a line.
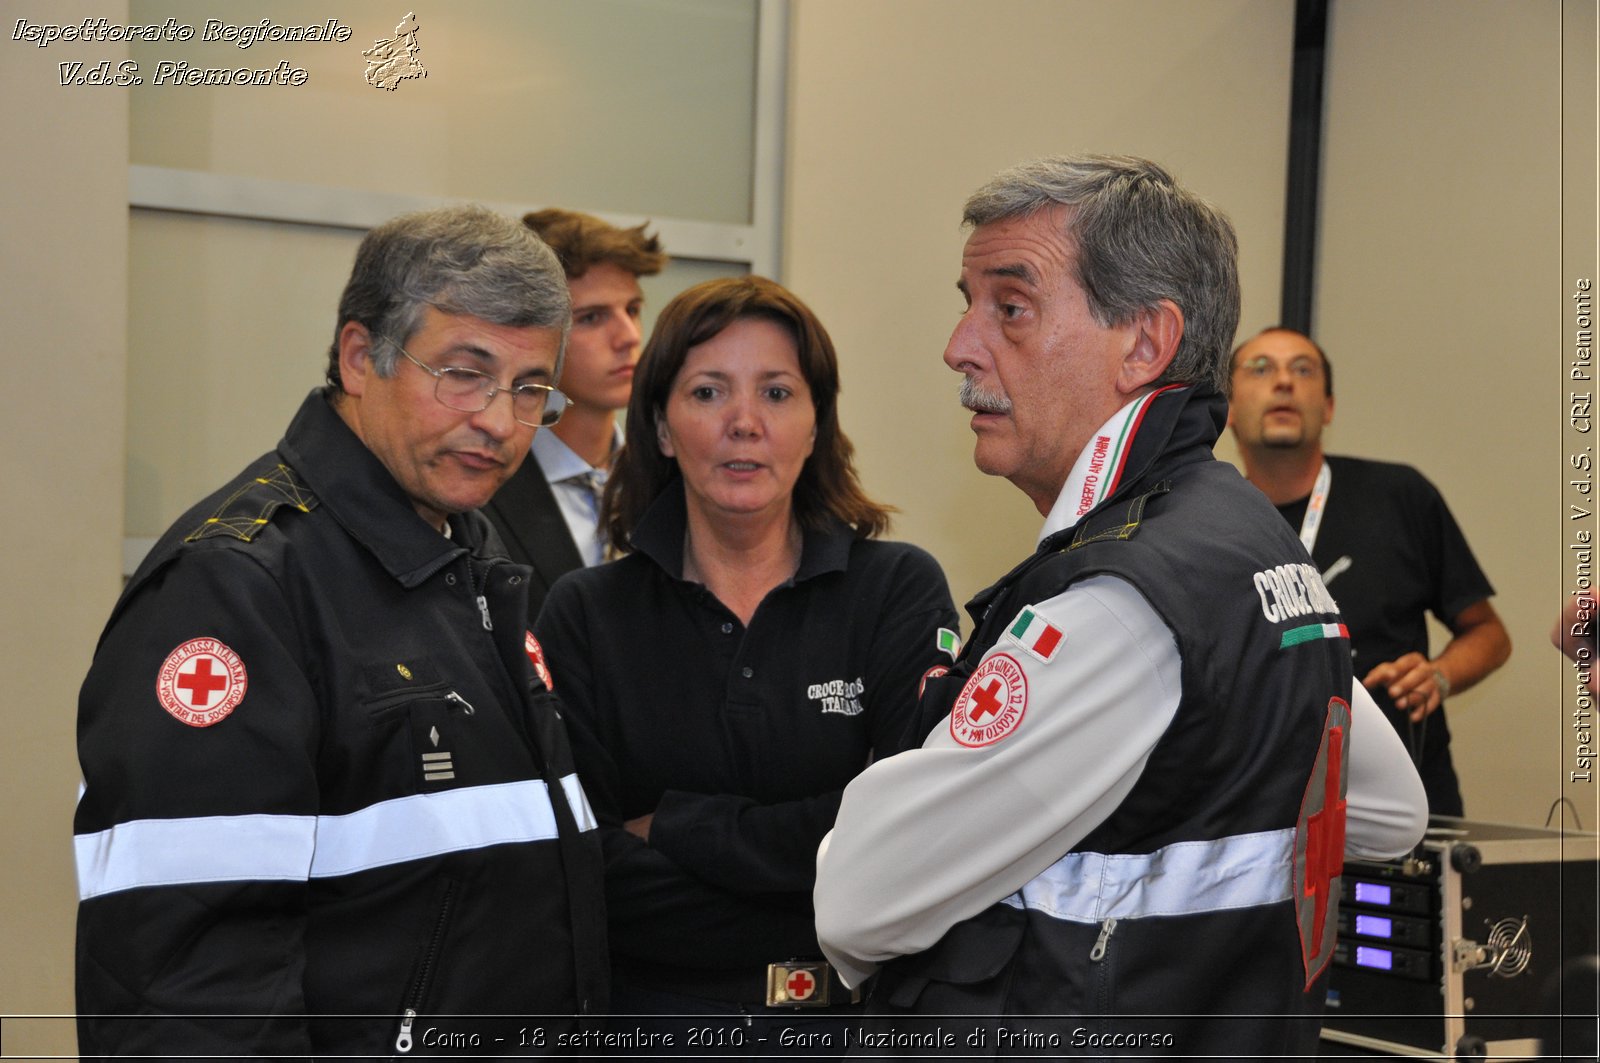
168	852
171	852
410	828
578	801
1186	878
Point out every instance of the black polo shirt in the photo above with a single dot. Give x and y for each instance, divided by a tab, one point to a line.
739	739
1391	552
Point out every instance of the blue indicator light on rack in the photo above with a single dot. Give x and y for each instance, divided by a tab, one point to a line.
1374	926
1382	959
1372	893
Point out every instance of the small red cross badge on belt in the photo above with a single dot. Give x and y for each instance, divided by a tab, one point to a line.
801	985
798	984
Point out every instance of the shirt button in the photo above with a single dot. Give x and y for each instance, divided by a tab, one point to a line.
747	672
450	578
727	629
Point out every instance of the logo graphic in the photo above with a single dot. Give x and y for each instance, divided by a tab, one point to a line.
201	682
801	985
991	705
536	655
840	696
390	62
949	642
797	985
1336	568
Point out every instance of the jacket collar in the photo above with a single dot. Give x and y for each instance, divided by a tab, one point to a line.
661	531
1159	426
1171	426
364	498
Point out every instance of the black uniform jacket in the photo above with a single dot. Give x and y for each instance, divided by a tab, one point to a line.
322	779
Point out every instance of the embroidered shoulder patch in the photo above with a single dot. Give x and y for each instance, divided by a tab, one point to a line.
1037	635
201	682
249	509
992	703
949	642
536	656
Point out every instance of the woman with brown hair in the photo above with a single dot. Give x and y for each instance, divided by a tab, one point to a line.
755	648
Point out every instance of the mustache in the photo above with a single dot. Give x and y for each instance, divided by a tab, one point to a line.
978	400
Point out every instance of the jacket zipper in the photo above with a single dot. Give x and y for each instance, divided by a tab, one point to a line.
480	584
424	972
1098	953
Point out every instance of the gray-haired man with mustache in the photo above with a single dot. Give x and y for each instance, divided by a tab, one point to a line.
1135	802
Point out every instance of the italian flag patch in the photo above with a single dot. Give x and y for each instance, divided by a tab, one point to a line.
1311	632
1035	634
948	642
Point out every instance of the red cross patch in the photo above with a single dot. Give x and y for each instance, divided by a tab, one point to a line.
201	682
536	655
991	705
1319	844
801	985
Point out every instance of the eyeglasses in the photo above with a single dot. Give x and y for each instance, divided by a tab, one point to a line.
469	391
1261	366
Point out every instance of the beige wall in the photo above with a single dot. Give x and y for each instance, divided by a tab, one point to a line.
1439	268
891	129
63	272
1439	297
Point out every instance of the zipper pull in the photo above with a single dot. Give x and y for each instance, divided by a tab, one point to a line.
403	1042
459	700
483	609
1098	953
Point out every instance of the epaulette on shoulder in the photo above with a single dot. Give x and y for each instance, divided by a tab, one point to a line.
248	510
1119	522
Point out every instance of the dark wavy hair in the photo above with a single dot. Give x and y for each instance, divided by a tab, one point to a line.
828	487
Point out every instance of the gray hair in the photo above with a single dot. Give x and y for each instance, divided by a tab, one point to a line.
1137	238
459	260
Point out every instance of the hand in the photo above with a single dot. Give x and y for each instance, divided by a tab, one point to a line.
640	827
1412	682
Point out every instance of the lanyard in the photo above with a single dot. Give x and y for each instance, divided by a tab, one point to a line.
1311	523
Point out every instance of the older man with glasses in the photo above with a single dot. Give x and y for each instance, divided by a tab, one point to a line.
329	806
